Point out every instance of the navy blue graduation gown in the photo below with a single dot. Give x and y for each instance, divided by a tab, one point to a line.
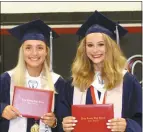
131	102
5	100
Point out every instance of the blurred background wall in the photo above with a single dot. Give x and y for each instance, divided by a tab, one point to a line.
65	18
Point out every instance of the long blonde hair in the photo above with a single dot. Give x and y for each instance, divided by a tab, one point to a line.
19	71
83	71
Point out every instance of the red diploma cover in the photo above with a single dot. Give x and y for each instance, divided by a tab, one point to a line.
32	103
92	118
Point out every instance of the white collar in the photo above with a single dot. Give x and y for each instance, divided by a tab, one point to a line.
98	83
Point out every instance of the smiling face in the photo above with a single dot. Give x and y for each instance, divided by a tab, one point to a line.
35	52
95	48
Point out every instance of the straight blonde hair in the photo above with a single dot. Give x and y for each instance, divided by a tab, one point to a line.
19	71
83	71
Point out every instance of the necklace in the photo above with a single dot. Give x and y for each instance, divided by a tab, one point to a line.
32	83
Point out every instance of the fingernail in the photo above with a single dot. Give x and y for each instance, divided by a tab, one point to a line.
108	127
107	123
72	128
75	121
112	130
109	120
42	117
73	124
21	116
73	118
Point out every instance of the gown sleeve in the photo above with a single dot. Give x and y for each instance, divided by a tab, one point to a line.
60	86
64	104
4	91
134	118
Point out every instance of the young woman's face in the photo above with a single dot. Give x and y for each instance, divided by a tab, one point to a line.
35	52
95	47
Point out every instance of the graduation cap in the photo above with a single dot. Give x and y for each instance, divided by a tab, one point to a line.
35	30
97	22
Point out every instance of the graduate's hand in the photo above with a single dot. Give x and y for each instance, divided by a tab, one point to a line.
117	124
69	123
49	119
10	112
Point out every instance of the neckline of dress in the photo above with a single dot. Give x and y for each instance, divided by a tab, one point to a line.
28	76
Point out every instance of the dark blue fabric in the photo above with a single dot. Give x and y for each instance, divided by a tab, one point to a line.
99	29
97	22
131	102
88	97
33	30
34	36
99	94
30	122
60	86
5	100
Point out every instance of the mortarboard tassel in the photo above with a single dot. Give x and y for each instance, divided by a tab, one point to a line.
117	35
51	51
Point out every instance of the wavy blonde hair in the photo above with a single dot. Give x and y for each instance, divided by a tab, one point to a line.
83	70
19	71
